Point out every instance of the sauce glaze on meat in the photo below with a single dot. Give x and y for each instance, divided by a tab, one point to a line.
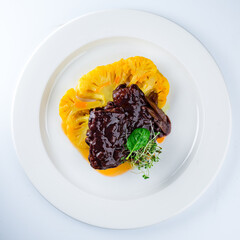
110	126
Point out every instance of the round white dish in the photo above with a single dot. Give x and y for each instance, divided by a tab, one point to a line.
199	111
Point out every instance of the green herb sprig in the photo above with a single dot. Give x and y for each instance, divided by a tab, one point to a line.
144	151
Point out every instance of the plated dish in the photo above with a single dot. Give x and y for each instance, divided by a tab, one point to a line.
192	153
114	116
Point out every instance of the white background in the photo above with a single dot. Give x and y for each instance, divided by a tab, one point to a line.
24	213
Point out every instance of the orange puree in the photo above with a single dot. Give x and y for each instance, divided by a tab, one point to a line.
111	172
160	140
81	104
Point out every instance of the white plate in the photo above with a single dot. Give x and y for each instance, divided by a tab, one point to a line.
199	111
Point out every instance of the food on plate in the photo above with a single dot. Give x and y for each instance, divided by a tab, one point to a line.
109	105
110	126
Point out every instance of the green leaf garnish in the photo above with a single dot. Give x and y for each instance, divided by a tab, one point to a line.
137	139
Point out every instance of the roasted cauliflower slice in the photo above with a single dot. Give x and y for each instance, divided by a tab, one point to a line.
97	84
145	74
95	88
75	114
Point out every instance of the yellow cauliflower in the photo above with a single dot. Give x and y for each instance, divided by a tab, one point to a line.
95	89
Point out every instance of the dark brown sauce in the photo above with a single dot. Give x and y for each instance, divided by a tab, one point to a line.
109	127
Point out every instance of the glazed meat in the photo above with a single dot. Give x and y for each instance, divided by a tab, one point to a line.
140	111
106	137
109	127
